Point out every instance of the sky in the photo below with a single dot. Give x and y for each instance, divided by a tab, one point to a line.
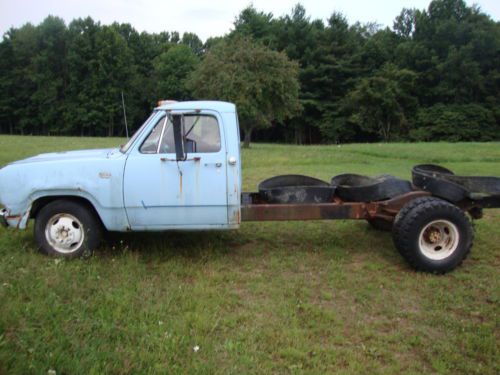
206	18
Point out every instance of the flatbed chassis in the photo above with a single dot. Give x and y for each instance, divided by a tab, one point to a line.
255	209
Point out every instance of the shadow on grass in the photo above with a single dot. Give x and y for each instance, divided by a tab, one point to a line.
343	241
164	245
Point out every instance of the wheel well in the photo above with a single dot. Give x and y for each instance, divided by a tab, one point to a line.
43	201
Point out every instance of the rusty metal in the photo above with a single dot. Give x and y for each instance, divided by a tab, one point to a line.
389	209
255	210
312	211
236	217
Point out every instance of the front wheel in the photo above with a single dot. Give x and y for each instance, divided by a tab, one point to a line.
67	229
432	235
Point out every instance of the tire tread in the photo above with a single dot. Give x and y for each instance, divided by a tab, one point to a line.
93	231
405	222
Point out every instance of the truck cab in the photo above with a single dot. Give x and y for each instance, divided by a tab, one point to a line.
180	170
201	188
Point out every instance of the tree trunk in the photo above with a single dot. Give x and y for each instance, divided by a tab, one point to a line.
111	125
247	139
385	129
298	135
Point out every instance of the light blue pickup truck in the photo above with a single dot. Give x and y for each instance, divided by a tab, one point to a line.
182	170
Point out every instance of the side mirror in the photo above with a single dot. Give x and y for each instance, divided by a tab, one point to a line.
179	135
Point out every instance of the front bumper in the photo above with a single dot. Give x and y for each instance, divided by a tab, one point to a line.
3	219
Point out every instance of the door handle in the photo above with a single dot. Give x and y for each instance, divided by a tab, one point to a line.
195	159
217	165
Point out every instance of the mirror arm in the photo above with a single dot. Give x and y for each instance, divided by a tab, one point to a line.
179	135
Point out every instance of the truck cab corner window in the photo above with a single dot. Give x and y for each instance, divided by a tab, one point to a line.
150	144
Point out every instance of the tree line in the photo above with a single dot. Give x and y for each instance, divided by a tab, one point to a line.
434	75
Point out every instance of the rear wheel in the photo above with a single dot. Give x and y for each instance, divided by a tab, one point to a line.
432	235
67	229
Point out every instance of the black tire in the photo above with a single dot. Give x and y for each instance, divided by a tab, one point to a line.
357	188
433	178
294	188
380	224
421	223
67	217
441	182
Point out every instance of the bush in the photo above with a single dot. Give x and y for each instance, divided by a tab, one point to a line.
457	122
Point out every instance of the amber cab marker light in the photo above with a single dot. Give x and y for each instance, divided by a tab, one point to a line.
163	102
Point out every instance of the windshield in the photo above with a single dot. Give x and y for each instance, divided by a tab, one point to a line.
131	141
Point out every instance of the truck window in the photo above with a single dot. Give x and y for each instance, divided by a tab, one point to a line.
202	135
167	142
150	144
131	141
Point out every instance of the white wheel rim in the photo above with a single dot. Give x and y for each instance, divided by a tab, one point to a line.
439	239
64	233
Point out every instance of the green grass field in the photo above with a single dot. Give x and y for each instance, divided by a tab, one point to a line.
297	297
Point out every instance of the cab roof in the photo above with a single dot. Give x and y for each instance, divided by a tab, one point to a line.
199	104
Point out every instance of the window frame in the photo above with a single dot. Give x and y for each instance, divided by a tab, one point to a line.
165	120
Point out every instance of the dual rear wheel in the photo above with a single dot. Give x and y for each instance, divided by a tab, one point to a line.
432	235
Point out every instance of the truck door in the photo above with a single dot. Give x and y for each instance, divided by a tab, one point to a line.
161	193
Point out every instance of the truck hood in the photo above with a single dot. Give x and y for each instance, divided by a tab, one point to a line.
94	175
72	155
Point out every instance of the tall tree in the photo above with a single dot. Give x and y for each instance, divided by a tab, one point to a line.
114	72
300	38
50	75
254	24
193	42
263	83
172	69
382	103
338	69
7	85
83	111
24	47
